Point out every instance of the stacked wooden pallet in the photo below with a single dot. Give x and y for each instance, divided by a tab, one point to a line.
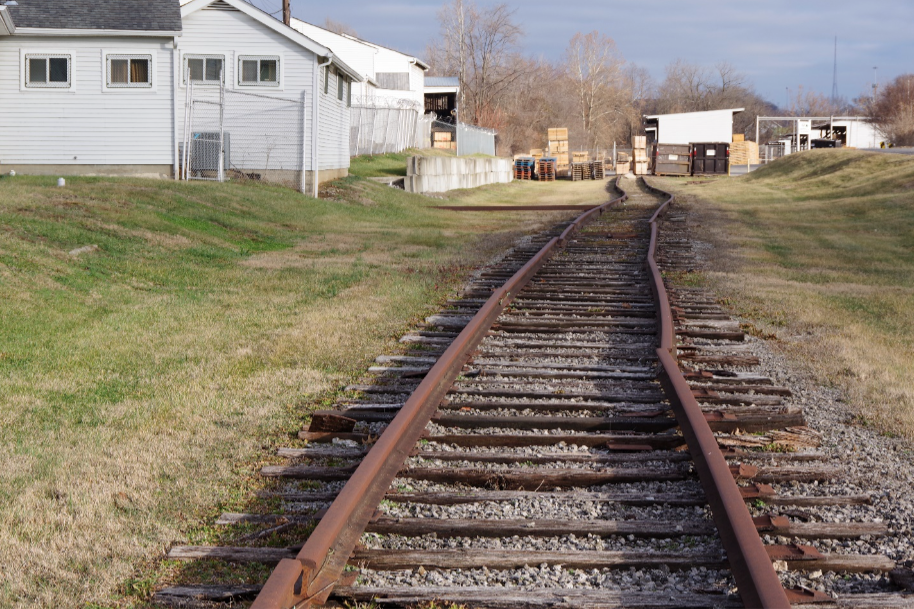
558	149
639	155
597	170
545	169
743	152
523	168
581	171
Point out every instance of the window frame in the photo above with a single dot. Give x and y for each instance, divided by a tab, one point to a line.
185	74
24	81
260	84
130	88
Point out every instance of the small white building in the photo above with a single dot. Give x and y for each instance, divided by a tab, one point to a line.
86	86
97	87
691	127
388	74
259	54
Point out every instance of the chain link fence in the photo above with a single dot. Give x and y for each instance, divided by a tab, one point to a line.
243	136
380	125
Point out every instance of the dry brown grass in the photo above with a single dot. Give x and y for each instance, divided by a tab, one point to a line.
818	250
142	385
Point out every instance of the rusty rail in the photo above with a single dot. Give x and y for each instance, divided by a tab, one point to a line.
756	579
309	578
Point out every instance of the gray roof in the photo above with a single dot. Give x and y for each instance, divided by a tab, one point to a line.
122	15
442	81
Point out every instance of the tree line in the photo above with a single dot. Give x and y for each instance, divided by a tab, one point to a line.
601	97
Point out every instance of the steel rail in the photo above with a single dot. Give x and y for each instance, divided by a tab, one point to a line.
757	581
309	578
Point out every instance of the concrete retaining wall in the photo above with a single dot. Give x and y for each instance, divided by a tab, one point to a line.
440	174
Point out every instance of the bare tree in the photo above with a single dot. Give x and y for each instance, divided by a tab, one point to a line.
893	111
595	68
482	47
810	103
338	27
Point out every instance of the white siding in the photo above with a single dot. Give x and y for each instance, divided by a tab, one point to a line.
357	55
232	33
333	127
693	127
85	125
368	59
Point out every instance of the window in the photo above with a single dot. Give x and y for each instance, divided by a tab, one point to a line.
258	71
208	69
395	81
130	71
47	71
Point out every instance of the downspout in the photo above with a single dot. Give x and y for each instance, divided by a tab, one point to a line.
315	113
176	86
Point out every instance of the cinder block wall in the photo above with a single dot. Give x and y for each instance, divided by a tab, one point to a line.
440	174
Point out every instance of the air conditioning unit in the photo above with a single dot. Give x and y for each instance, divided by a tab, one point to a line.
204	153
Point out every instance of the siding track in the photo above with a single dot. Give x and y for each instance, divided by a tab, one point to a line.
537	451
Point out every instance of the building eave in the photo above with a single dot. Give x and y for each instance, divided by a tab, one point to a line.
40	31
280	28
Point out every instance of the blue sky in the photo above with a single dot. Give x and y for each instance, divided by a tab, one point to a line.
777	43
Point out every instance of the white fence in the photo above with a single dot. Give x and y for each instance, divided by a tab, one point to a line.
475	140
240	135
379	126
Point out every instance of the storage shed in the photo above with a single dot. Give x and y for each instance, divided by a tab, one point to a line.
688	127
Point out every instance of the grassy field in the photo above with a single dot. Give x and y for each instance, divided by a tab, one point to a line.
818	249
158	338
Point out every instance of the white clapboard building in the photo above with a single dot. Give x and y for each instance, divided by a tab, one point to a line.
97	87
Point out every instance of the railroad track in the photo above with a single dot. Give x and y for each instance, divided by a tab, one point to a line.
540	450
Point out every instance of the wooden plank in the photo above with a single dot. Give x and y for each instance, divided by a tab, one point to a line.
267	556
582	439
386	559
499	597
531	479
453	527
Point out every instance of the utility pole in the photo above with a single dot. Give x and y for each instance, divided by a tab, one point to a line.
286	12
875	81
834	82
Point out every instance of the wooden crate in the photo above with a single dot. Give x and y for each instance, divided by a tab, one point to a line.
443	136
580	157
744	153
558	133
639	156
640	168
639	142
558	146
739	137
